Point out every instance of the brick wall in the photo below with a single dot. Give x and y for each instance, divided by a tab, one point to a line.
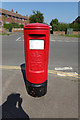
10	19
10	16
1	29
63	32
17	29
59	32
75	33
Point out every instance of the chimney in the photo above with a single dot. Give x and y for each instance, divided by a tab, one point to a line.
16	12
12	10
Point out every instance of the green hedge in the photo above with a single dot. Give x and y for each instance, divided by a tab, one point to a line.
12	25
63	27
57	26
76	26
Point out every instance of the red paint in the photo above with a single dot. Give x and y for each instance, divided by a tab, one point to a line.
36	61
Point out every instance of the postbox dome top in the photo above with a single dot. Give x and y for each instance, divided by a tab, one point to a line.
36	25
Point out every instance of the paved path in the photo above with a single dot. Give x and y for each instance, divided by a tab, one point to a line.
61	100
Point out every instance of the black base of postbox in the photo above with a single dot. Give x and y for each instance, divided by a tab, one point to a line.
36	90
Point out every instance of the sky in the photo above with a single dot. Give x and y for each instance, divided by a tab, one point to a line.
65	12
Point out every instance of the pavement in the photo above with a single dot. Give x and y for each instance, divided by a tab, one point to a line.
61	100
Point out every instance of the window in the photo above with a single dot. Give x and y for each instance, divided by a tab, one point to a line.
7	22
15	18
6	16
11	17
0	14
1	23
19	18
22	19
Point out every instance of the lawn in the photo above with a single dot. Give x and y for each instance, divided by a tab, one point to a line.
5	33
78	36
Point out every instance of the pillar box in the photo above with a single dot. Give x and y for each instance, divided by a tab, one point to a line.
36	43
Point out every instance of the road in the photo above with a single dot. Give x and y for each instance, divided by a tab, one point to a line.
61	100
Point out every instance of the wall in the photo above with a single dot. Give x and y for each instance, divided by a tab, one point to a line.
13	19
75	33
63	32
1	29
17	29
59	32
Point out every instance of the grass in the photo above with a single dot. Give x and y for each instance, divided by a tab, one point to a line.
10	33
78	36
5	33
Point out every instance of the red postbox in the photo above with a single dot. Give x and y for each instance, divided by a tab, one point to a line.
36	42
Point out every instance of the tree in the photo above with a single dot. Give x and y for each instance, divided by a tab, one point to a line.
54	21
75	26
55	24
36	17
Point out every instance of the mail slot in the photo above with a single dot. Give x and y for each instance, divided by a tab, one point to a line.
36	44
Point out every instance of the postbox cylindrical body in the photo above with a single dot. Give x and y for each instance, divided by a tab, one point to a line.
36	42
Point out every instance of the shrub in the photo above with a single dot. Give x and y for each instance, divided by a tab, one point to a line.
12	25
76	26
21	26
57	26
7	26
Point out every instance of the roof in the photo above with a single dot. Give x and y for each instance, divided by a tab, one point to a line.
77	20
12	13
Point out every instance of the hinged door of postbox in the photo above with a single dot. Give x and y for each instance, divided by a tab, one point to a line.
36	53
36	48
